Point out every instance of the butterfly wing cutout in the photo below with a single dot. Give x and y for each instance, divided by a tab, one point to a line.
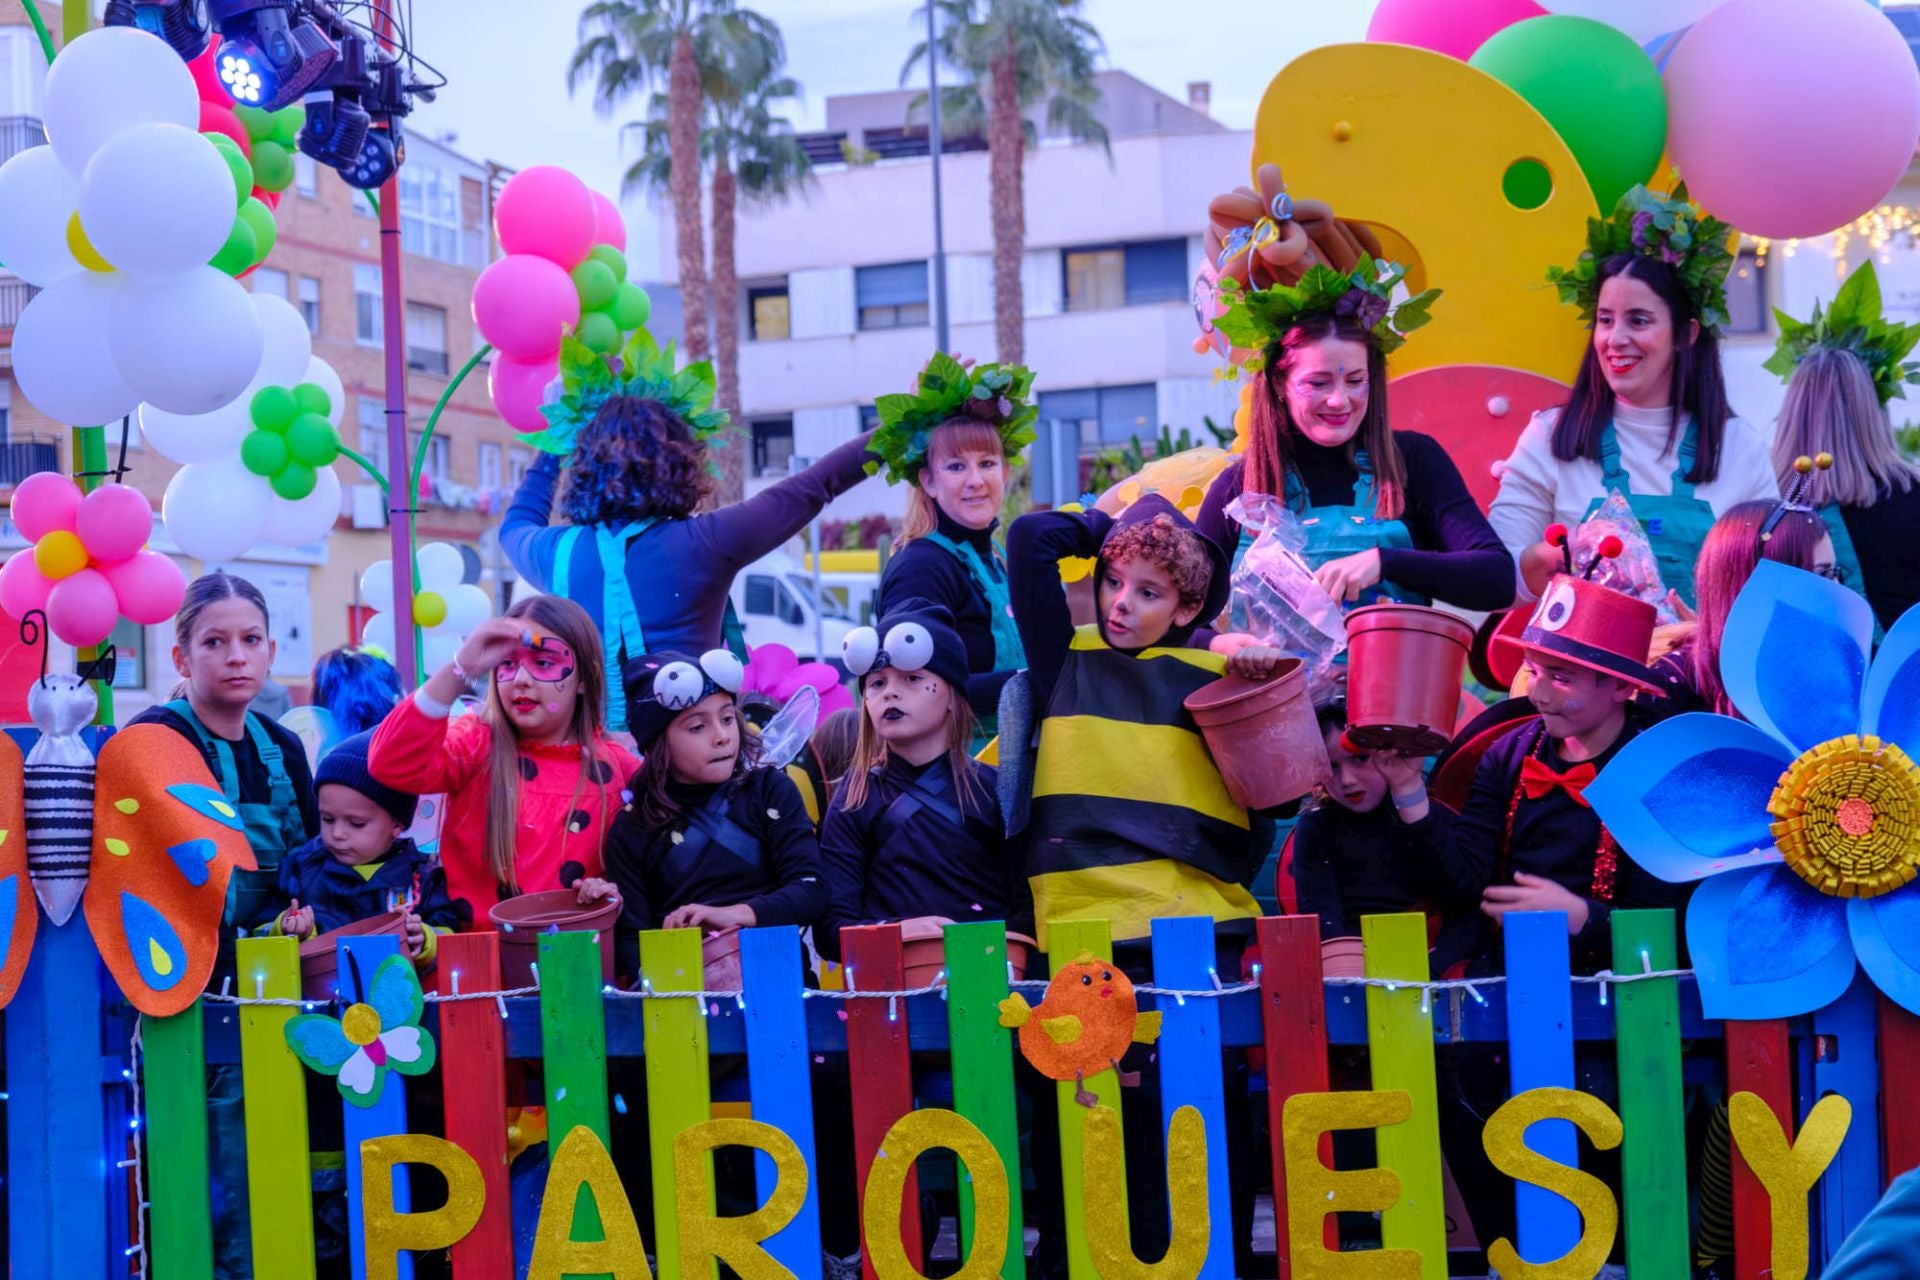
19	916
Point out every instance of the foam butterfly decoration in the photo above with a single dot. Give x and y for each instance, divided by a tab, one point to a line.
378	1033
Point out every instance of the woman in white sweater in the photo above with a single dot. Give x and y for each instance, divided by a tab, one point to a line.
1648	415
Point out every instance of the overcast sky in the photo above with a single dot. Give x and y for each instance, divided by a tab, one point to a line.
507	99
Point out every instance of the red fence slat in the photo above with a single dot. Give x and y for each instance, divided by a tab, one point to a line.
1758	1062
880	1065
1293	1018
473	1064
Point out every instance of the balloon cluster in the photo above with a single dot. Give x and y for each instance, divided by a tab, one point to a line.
258	148
116	221
88	566
446	607
565	270
292	439
1785	118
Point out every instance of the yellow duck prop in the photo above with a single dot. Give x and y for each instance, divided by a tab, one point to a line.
1083	1025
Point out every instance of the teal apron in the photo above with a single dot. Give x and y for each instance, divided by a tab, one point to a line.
620	633
274	827
1008	653
1676	524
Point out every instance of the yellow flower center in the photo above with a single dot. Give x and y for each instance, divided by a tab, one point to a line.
361	1023
429	609
1847	817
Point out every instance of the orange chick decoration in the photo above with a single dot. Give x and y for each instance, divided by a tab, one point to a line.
1084	1024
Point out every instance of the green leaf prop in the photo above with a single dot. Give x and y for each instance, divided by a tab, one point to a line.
588	380
1855	322
1000	396
1259	319
1669	229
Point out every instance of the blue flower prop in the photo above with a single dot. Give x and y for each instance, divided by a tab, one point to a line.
1802	821
367	1040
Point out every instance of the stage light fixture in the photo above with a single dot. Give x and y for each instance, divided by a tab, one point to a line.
271	53
183	24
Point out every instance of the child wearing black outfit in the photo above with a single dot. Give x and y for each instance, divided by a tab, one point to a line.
1352	858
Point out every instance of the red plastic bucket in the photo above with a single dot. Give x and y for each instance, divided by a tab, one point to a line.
320	954
522	920
1405	664
1263	736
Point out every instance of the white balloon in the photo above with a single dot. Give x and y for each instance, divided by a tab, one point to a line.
157	200
438	650
441	567
378	633
1641	19
467	607
376	584
321	374
216	510
291	524
37	199
286	354
62	356
200	437
189	344
111	79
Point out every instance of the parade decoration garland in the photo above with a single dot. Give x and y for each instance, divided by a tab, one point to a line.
1855	322
996	394
1667	229
1257	320
644	371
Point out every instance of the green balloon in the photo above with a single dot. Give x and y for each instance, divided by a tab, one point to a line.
1595	86
273	409
595	284
614	260
237	164
313	398
258	123
287	124
312	440
241	250
295	481
264	453
599	332
631	307
265	230
272	166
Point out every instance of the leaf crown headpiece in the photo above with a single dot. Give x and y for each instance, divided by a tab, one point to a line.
1001	396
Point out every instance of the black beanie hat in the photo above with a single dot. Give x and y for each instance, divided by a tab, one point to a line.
661	685
916	637
346	766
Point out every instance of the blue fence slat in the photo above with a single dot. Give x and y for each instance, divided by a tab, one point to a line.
779	1073
387	1116
1540	1044
1848	1063
1189	1055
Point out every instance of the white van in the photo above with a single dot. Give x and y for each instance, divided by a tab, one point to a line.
774	598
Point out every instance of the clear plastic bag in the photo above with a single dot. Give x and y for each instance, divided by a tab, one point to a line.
1634	571
1275	598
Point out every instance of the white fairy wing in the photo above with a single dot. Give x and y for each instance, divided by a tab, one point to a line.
786	735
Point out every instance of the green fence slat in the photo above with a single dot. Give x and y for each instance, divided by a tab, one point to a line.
279	1176
1067	939
1400	1039
1646	1021
983	1067
679	1093
173	1057
573	1043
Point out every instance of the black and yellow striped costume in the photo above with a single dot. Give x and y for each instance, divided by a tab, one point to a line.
1130	818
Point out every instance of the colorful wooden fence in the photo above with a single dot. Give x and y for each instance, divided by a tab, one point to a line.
793	1040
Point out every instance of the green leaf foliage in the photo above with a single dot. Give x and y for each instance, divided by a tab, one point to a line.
997	395
1855	322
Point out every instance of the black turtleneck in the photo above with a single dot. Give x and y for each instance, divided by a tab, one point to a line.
1455	557
923	572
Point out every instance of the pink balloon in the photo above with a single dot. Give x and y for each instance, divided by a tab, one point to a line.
83	608
23	588
523	304
1789	118
206	74
548	212
1456	28
610	227
518	387
148	586
115	521
43	502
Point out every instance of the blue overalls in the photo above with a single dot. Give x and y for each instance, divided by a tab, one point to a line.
1676	524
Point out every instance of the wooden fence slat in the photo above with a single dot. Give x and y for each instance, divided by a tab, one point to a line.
1647	1050
1293	1023
174	1063
881	1068
1190	1066
1758	1062
1540	1055
780	1076
473	1065
679	1091
1850	1187
1068	939
573	1048
279	1177
387	1116
982	1056
1899	1068
1400	1037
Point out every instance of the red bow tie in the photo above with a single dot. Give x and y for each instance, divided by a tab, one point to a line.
1538	779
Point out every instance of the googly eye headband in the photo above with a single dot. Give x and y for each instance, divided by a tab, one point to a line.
908	647
680	684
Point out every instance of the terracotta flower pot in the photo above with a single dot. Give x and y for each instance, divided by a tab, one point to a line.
1405	664
522	920
1262	736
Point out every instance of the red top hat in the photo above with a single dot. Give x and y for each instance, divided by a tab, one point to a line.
1582	622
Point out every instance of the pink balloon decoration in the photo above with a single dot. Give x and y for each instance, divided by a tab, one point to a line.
1456	28
609	226
1790	118
43	502
148	586
523	304
83	608
518	387
548	212
23	588
115	521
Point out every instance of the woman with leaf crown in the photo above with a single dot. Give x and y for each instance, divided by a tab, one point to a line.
1648	417
637	553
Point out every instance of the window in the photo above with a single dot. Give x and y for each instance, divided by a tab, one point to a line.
473	222
439	452
772	446
268	280
430	213
129	641
372	416
427	338
1104	415
893	296
306	174
768	597
768	317
1131	275
518	460
309	303
1747	294
368	326
489	465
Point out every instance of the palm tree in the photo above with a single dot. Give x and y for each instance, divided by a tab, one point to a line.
1016	55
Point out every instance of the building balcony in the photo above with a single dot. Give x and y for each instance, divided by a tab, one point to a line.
22	458
20	133
15	294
